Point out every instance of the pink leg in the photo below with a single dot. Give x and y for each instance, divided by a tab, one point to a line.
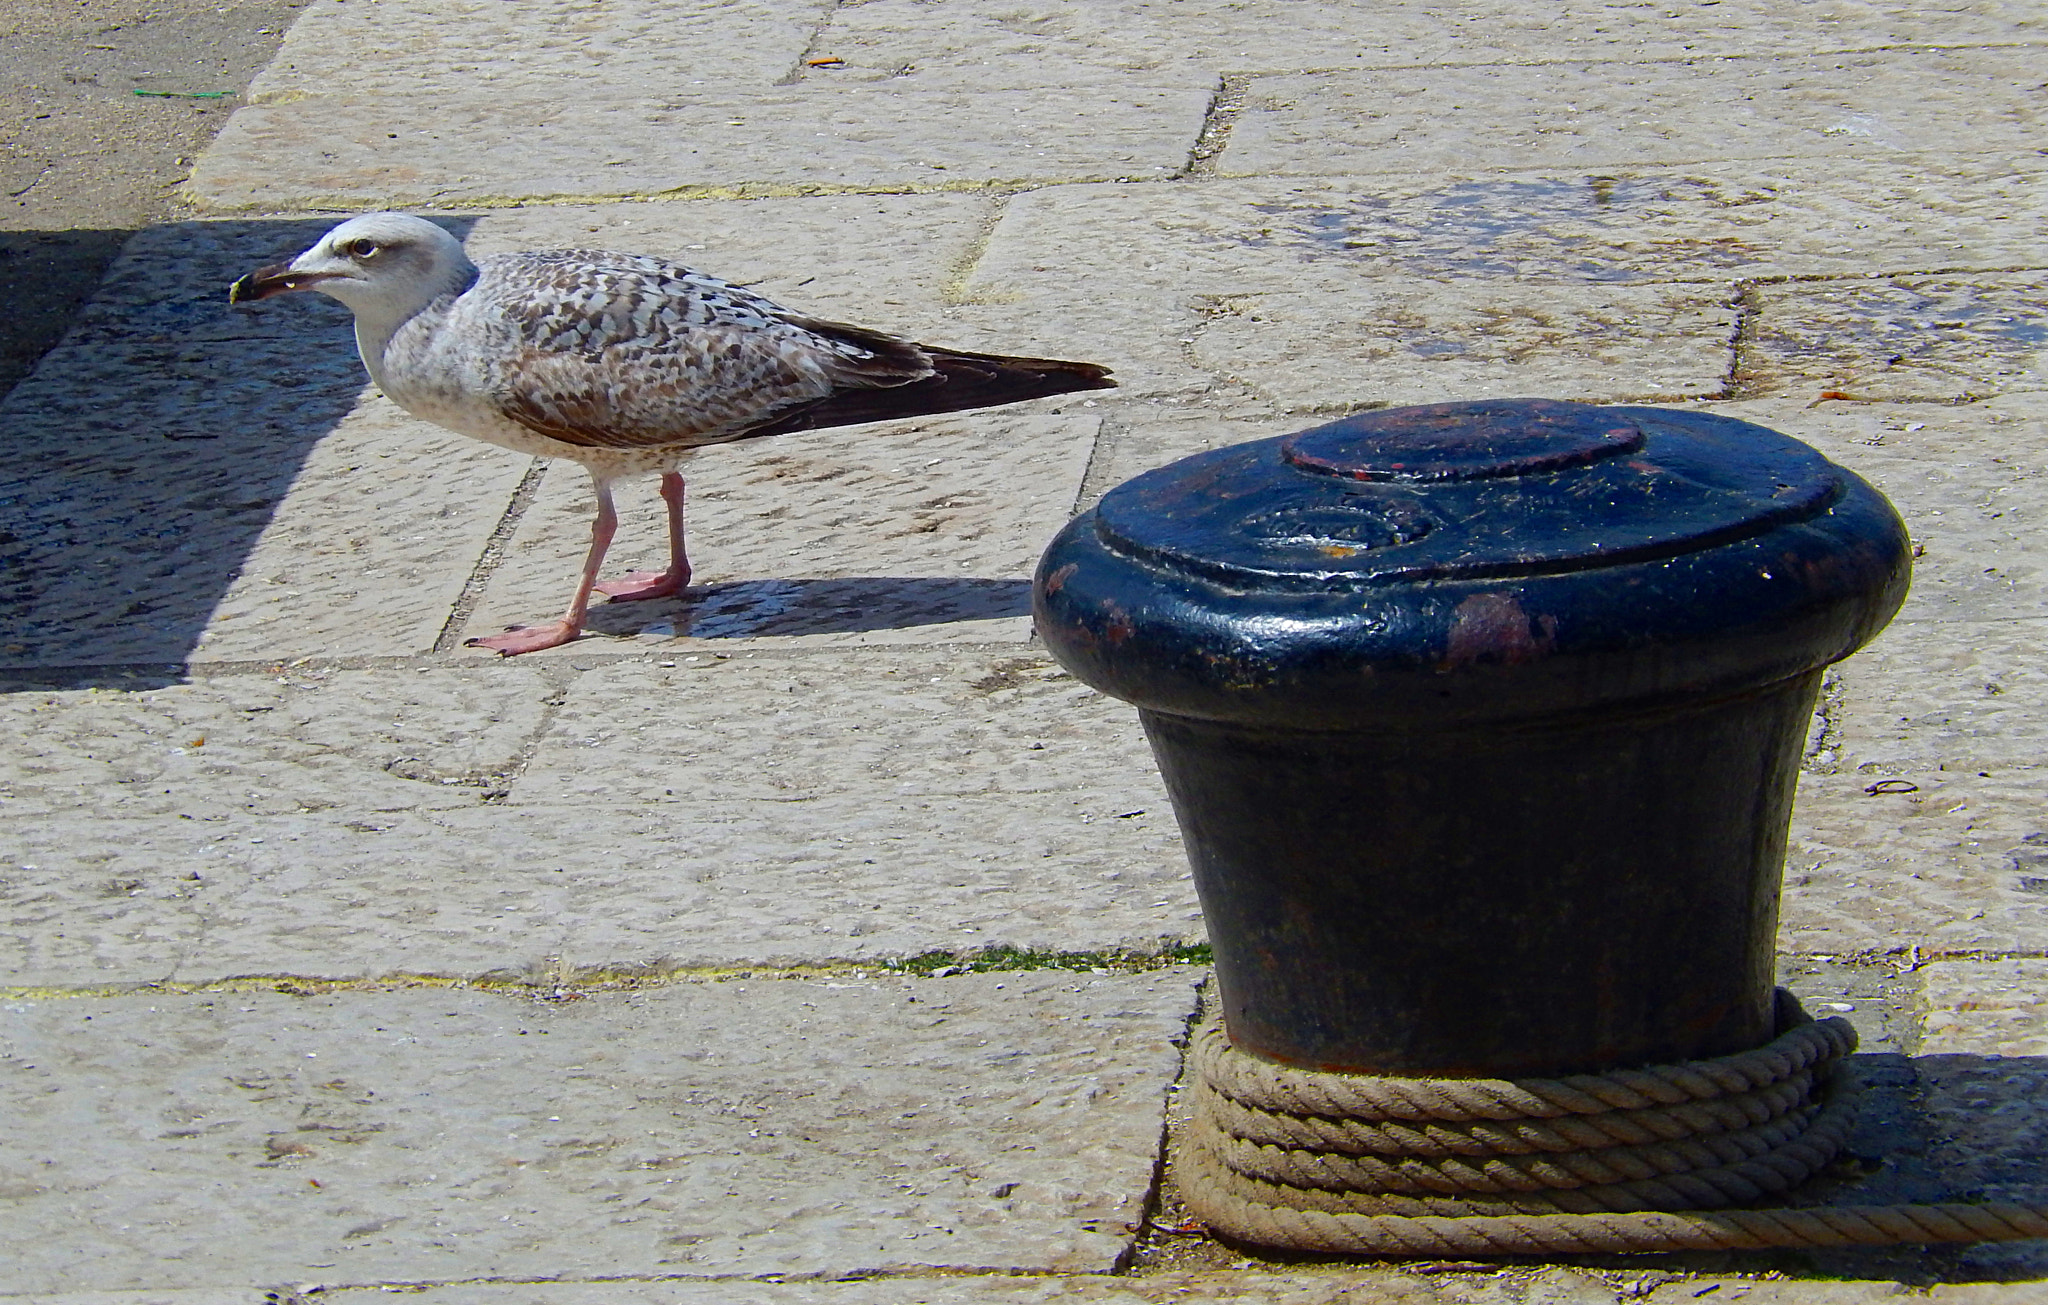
658	584
553	634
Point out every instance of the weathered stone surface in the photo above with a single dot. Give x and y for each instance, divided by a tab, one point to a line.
139	477
300	742
1906	340
170	286
1926	860
746	1128
918	723
1970	696
454	148
1875	104
1347	276
1985	1008
1054	43
904	532
2015	1261
1424	342
1751	1291
1984	1063
369	551
1711	222
480	47
709	814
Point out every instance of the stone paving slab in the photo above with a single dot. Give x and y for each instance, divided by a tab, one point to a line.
348	825
297	742
1971	697
1872	104
371	549
479	46
1984	1061
744	1128
1418	342
476	147
169	285
922	722
1985	1008
1723	221
1905	340
998	45
1924	861
921	530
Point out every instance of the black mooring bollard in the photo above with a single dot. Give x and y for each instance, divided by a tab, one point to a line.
1482	720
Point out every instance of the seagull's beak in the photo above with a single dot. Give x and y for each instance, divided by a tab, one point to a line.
275	280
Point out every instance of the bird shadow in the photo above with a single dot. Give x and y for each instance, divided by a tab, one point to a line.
747	609
150	446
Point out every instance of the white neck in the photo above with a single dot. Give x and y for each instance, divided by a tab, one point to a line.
381	314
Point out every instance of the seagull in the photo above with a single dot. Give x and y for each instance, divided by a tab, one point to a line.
624	363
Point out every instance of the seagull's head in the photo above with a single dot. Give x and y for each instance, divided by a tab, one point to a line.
381	264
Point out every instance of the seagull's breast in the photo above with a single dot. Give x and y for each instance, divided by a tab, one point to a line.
437	366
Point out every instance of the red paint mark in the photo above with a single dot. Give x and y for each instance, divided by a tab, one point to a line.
1058	579
1494	628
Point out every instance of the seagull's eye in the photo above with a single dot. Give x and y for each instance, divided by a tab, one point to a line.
362	248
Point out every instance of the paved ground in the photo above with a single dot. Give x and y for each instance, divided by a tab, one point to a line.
812	938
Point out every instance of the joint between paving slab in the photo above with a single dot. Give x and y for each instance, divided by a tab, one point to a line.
1149	1210
1226	106
490	556
1748	306
744	190
295	1294
828	11
552	980
953	291
1680	60
1091	487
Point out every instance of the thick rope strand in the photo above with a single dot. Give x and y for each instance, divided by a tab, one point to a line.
1638	1160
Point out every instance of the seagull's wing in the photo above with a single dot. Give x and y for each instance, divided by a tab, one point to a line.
621	351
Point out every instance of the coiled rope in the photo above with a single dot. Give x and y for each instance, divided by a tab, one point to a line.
1636	1160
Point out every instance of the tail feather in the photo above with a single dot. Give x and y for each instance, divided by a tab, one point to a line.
961	381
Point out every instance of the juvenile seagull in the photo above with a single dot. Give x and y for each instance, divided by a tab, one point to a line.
623	363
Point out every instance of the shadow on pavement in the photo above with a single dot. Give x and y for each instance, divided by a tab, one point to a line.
746	609
149	448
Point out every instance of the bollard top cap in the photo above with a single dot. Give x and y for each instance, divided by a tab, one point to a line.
1461	491
1462	552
